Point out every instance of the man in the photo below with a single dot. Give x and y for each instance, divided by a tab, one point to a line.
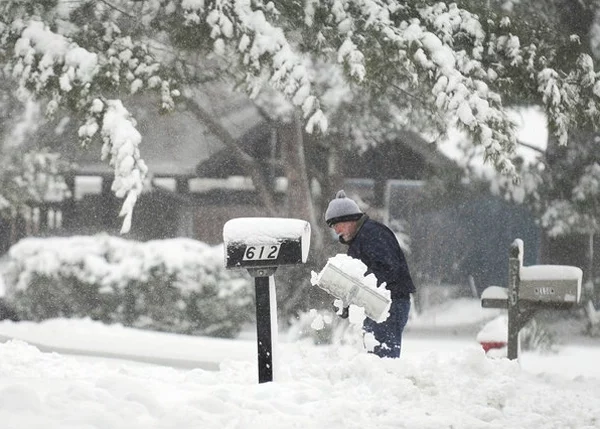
377	247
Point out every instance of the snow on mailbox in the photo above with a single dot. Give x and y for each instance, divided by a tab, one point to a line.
265	242
550	284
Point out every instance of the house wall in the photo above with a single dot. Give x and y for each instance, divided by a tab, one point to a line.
212	209
32	220
465	240
209	220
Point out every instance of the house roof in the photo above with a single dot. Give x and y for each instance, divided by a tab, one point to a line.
409	156
223	164
179	144
405	157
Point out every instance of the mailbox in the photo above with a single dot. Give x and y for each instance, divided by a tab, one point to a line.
494	297
532	288
255	243
557	284
260	245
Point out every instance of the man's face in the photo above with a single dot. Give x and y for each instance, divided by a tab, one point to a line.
345	229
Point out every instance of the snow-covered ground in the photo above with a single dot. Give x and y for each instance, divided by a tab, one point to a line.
443	380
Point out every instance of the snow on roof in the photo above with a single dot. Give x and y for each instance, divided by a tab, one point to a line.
172	144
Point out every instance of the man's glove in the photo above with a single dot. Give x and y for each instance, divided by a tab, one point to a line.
345	312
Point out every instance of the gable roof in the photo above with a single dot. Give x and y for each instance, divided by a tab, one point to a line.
223	164
408	156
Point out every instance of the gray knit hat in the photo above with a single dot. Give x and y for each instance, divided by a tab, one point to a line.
342	209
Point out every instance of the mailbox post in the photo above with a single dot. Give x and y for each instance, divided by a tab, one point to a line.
530	289
515	262
261	245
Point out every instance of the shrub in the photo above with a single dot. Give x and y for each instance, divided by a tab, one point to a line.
176	285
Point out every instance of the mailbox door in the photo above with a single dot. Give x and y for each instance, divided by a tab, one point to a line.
550	291
285	252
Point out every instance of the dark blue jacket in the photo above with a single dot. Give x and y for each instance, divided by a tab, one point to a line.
377	247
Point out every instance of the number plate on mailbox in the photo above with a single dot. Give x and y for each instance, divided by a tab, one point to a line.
246	255
262	253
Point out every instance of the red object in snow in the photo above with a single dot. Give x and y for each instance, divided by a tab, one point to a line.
488	345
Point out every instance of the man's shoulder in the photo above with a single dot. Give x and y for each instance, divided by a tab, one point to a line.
383	232
374	224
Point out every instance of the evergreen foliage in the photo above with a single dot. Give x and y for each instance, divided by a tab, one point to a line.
455	64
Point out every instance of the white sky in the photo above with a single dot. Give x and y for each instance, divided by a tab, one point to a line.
532	130
442	380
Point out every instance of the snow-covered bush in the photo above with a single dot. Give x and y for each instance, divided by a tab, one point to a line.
176	285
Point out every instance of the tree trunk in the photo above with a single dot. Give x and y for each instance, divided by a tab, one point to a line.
591	257
335	180
299	198
591	270
300	204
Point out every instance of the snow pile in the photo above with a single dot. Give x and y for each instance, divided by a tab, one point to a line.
315	387
495	331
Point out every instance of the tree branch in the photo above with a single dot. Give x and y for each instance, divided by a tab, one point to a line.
249	163
532	147
112	6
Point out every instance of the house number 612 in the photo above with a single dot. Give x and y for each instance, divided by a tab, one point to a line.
258	253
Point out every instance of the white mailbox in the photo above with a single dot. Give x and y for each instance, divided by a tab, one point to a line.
265	242
550	284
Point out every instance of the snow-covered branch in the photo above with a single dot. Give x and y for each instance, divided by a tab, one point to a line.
262	47
121	141
461	66
57	69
